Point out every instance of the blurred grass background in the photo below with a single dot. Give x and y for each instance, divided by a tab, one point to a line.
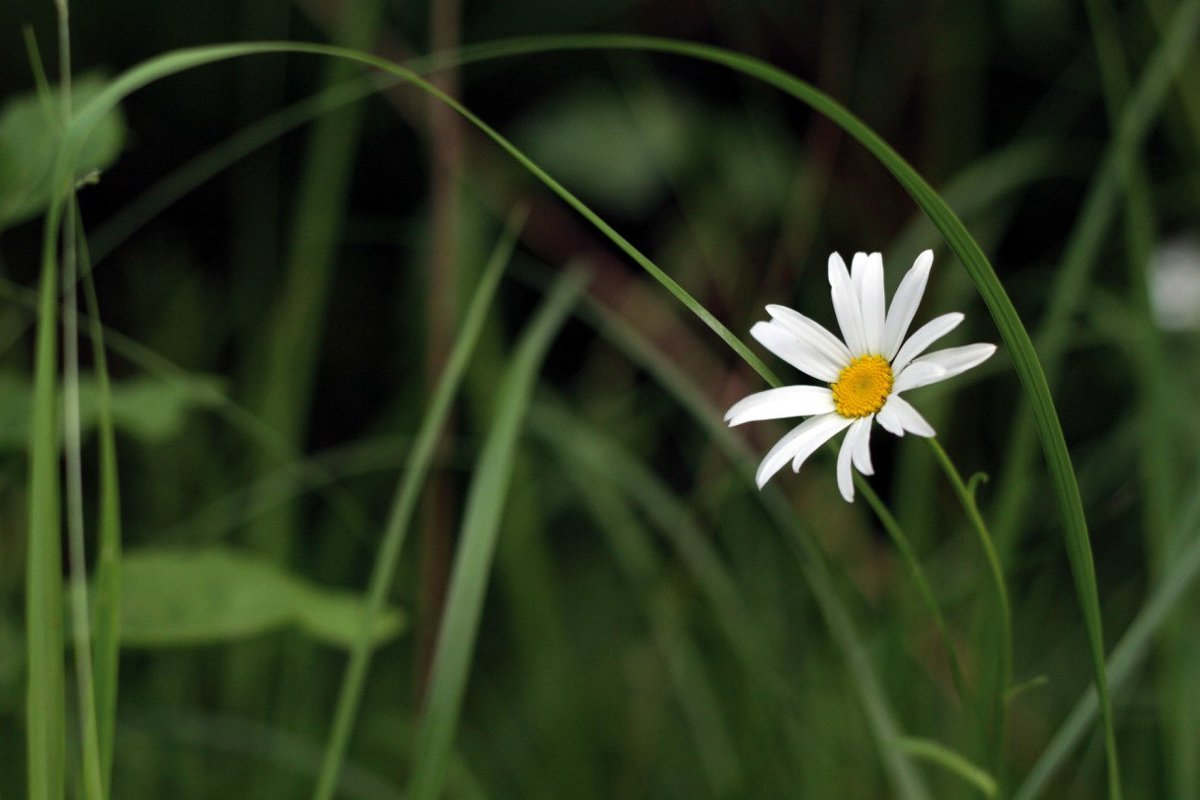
283	296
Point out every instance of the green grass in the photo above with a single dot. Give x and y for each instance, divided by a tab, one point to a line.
626	615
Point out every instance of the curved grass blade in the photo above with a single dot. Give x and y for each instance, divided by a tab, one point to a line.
939	754
477	542
407	493
178	61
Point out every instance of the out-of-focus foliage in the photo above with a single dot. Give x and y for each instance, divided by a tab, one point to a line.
182	598
29	136
652	626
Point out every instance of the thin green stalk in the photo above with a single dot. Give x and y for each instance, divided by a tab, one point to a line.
73	447
1169	593
917	573
417	467
477	542
1081	253
106	608
1156	462
966	496
45	697
937	753
441	313
283	363
283	368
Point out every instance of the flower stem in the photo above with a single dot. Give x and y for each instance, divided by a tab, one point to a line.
900	539
966	496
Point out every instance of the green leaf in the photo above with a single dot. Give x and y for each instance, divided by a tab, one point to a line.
175	598
29	139
147	408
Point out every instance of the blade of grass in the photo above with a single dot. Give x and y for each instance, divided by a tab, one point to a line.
90	769
106	609
417	467
966	496
180	60
282	367
1157	469
91	773
592	450
45	697
1082	249
45	689
939	754
634	551
1169	592
477	543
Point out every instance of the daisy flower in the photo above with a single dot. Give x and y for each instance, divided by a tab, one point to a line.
864	375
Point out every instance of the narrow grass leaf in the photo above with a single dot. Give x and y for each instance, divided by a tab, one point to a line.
45	699
937	753
407	492
1170	591
106	605
477	543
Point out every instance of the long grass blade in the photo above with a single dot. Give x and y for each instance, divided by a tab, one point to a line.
1131	651
477	542
45	699
106	605
416	468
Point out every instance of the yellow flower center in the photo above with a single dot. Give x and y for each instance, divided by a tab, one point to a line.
862	386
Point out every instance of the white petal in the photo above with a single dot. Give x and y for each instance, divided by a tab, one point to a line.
908	417
904	304
846	306
794	350
918	374
926	335
871	292
888	419
858	273
957	360
813	332
788	401
845	476
821	432
804	439
862	448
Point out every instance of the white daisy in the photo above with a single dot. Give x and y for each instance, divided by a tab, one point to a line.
864	376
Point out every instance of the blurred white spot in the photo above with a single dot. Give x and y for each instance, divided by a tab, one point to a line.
1175	284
